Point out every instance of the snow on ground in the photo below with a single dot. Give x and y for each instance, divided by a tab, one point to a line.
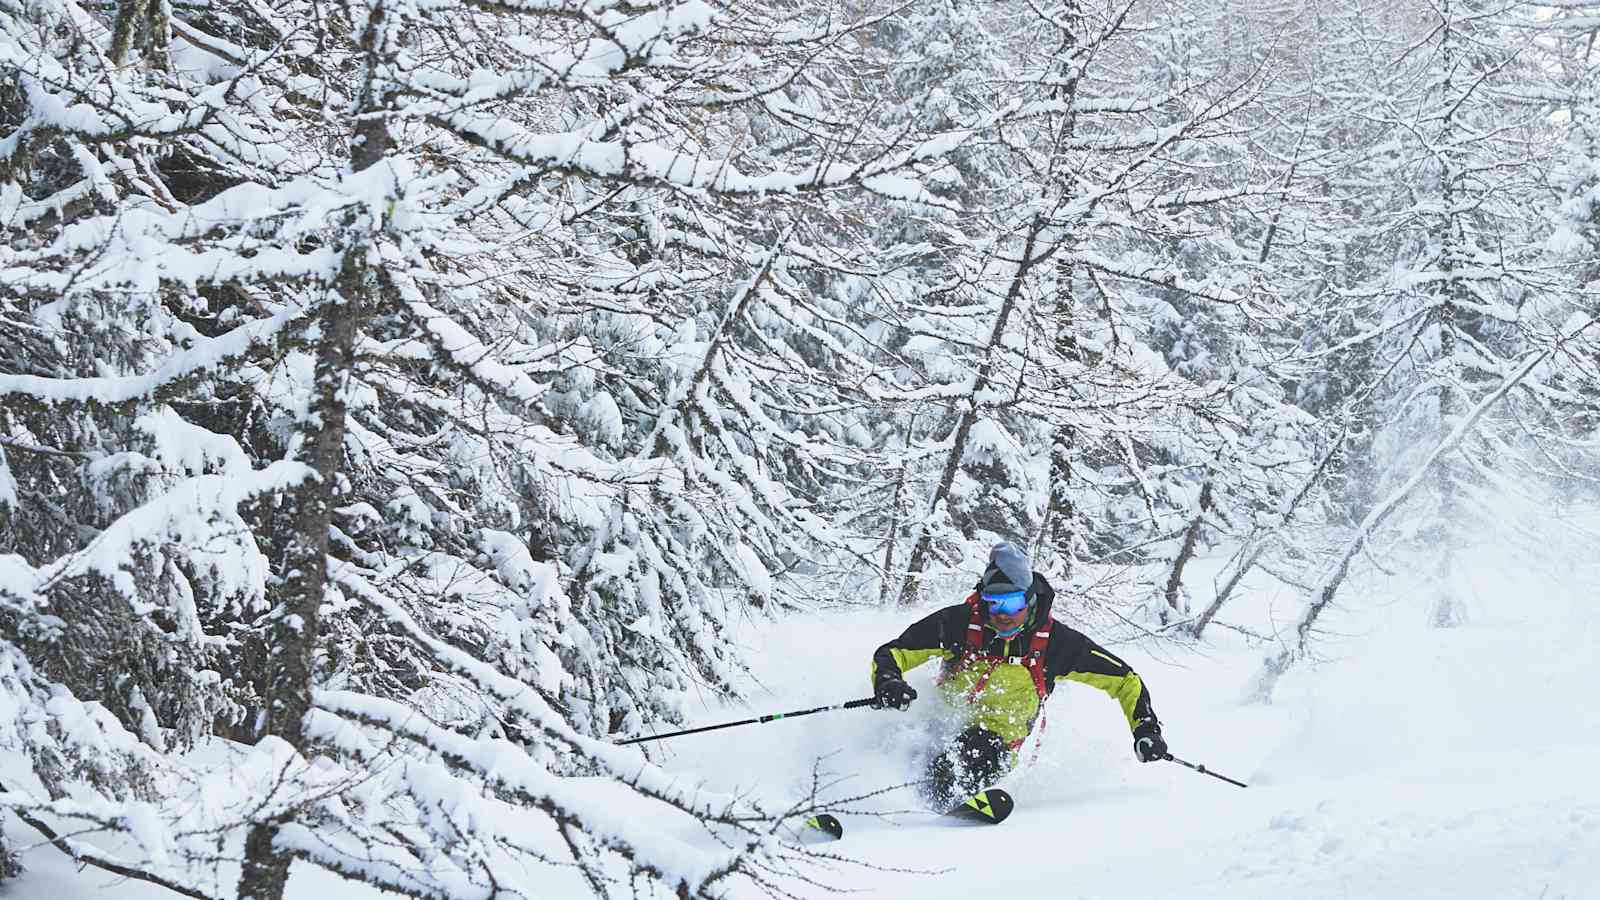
1408	762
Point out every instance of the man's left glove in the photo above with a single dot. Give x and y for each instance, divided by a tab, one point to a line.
1148	744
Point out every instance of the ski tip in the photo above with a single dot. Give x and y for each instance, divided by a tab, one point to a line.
826	824
991	806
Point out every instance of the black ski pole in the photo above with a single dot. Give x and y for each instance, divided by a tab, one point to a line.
853	704
1203	770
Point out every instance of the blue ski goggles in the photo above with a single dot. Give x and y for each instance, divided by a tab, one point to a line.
1007	604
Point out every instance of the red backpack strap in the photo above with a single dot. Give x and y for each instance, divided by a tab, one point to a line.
1037	644
974	636
971	641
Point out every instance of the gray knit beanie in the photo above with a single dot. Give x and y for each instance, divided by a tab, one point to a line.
1008	570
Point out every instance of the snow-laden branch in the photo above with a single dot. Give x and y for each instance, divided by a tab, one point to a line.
646	163
466	353
509	769
189	513
205	355
508	764
84	853
1333	576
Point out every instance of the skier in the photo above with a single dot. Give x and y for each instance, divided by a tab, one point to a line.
1001	655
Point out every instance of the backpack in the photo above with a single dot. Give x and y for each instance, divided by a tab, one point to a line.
972	652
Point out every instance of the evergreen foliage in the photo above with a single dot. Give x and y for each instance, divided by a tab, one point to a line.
401	399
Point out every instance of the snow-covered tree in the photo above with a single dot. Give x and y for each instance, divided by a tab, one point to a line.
1574	241
447	400
1049	327
410	394
1453	336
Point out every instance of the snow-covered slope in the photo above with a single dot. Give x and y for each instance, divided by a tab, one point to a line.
1410	762
1431	763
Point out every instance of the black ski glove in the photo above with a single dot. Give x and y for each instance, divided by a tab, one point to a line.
1148	744
892	693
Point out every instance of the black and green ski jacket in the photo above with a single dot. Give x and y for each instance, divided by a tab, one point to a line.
1008	703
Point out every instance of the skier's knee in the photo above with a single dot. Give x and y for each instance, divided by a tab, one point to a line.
980	757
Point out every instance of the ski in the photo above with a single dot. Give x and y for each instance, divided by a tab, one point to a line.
826	824
990	807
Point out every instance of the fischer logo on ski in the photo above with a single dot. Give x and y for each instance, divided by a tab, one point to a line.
991	806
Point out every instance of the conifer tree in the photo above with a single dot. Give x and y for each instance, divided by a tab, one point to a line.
449	402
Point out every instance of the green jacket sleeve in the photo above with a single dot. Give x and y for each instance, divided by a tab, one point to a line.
927	638
1073	657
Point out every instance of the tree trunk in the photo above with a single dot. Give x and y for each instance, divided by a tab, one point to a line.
1328	585
1446	610
159	25
889	539
1055	531
1259	542
1056	525
896	512
131	15
149	19
1191	538
295	631
1247	561
958	438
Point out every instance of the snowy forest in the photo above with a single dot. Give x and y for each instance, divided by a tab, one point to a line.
403	401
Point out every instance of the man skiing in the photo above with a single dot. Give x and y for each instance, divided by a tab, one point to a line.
1001	655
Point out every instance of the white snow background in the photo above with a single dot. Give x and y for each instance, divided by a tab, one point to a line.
1406	762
